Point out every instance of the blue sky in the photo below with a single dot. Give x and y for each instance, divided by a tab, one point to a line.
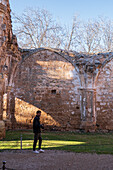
64	10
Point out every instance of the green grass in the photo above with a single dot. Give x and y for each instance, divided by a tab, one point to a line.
68	141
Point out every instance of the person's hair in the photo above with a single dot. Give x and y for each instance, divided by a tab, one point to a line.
38	111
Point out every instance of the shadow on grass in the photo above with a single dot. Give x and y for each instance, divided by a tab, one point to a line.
67	141
73	146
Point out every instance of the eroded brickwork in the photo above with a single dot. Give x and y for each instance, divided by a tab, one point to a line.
105	97
74	91
47	81
9	57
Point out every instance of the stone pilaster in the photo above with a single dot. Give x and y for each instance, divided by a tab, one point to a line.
2	129
10	108
2	124
8	102
1	95
88	109
1	105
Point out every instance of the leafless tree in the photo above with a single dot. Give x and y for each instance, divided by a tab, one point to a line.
89	37
36	28
71	34
106	34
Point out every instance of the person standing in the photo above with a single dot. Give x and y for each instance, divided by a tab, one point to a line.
37	132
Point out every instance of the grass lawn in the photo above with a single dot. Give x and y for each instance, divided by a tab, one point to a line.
68	141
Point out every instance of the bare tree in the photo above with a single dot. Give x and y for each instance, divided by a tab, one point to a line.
89	37
107	34
71	34
36	28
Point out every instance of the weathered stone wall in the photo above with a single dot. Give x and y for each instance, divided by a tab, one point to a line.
9	57
47	81
104	103
53	80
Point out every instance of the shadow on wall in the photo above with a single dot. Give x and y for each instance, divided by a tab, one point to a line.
26	112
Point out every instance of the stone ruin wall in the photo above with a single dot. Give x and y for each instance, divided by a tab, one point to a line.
49	82
104	104
74	92
9	57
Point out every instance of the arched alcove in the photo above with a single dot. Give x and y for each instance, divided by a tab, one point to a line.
104	103
47	81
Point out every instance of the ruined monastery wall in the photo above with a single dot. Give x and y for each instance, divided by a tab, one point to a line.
47	81
104	87
73	90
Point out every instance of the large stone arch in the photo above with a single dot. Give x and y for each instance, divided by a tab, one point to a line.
48	81
108	58
104	86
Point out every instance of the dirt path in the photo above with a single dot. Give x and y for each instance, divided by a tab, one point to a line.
55	160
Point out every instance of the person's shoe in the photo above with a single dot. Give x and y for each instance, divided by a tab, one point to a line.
41	151
36	151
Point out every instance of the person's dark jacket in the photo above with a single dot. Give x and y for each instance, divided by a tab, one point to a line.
36	125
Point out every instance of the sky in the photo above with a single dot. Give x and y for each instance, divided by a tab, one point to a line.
64	10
